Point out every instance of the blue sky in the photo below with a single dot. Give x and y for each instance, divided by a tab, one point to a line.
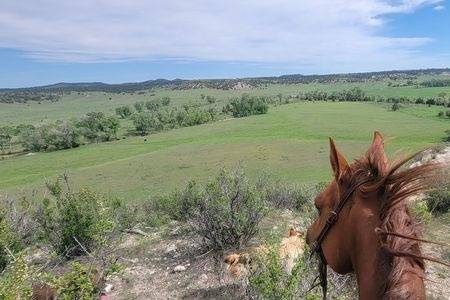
49	41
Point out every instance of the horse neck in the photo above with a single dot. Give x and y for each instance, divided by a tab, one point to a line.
379	274
379	278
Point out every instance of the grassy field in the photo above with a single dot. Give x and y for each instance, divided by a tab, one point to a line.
289	143
76	105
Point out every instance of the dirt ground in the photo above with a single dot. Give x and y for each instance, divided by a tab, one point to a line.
171	264
438	275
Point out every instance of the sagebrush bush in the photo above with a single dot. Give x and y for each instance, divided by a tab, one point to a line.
16	280
49	137
23	281
78	283
438	200
268	280
288	196
74	222
189	200
229	213
9	241
247	105
421	212
180	205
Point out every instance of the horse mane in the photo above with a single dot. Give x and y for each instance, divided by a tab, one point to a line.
399	233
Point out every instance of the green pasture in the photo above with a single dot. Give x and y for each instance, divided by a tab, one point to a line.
288	143
77	104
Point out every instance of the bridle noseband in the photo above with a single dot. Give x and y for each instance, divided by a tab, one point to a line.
316	247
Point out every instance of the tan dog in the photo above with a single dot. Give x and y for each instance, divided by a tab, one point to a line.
237	264
291	248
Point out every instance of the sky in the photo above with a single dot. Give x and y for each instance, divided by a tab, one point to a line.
49	41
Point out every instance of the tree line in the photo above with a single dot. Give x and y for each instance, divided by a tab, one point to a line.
93	127
357	95
25	96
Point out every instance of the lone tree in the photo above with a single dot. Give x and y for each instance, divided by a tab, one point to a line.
395	106
5	140
124	111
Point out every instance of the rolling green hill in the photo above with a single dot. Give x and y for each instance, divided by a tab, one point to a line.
77	104
290	142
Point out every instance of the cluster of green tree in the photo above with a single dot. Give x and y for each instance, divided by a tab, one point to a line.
8	133
436	82
208	98
442	114
247	105
358	95
94	127
353	95
49	137
126	111
146	122
402	83
25	96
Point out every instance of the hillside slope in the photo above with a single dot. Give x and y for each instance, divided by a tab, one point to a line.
290	142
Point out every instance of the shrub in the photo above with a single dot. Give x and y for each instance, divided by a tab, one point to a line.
268	280
288	196
139	106
430	101
440	114
419	101
421	212
97	127
79	283
63	135
74	222
210	99
229	213
395	106
124	111
5	139
248	105
180	205
438	200
17	227
171	118
153	105
9	242
146	122
165	101
15	281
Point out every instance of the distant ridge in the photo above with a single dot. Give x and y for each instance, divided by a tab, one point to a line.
238	83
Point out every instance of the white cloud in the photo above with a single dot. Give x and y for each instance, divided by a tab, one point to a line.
313	33
439	7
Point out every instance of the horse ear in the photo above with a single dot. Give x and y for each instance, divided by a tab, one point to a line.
338	162
377	156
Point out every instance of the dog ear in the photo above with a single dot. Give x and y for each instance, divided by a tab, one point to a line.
231	259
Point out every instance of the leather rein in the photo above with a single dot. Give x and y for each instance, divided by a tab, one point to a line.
317	244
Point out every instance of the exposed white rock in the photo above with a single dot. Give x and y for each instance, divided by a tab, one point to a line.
179	268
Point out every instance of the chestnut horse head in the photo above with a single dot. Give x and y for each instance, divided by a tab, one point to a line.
374	235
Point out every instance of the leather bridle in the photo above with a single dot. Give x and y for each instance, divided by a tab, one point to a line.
316	247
